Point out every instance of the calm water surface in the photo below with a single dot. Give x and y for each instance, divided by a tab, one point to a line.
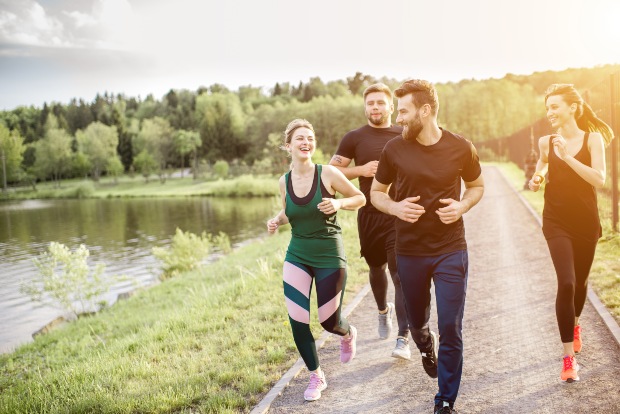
118	232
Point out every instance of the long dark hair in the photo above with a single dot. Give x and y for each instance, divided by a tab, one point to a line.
585	116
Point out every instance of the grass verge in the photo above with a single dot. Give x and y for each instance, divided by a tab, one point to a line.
605	273
209	341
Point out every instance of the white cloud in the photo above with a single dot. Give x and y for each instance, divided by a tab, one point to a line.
81	19
102	24
27	23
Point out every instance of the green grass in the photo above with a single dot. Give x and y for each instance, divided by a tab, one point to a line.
605	273
242	186
210	341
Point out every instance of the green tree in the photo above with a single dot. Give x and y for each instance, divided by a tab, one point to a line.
11	155
98	142
125	136
186	142
114	167
53	152
358	82
145	164
157	138
81	165
222	126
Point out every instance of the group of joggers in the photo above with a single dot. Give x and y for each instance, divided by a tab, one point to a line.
410	205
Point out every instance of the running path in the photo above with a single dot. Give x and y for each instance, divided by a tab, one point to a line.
512	358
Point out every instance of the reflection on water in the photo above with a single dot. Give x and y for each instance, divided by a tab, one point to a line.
118	232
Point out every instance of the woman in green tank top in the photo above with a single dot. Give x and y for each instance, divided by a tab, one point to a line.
315	252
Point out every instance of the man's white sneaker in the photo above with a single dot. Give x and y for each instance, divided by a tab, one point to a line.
402	350
385	322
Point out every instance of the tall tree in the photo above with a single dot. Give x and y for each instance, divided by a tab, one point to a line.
125	136
357	82
98	142
222	126
186	142
157	138
53	152
11	155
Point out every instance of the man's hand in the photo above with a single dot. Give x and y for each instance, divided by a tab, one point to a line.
408	210
369	169
451	212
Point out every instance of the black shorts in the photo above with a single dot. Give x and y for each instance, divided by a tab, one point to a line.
377	236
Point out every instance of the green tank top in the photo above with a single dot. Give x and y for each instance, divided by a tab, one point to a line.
315	237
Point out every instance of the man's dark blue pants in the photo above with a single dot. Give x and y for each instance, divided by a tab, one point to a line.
449	275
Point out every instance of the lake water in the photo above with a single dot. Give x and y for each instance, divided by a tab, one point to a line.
118	232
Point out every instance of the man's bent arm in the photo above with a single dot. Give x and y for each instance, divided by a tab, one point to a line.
379	196
473	193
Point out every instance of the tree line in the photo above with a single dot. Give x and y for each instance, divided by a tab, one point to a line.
114	134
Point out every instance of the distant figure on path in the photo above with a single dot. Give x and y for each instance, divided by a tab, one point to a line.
376	229
427	165
315	252
576	167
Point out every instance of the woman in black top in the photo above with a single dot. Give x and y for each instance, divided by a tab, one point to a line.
575	158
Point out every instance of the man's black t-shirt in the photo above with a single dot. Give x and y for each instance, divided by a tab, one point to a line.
432	172
364	145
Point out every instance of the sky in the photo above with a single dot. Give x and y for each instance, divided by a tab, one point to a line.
56	50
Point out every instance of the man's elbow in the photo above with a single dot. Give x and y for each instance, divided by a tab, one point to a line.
375	199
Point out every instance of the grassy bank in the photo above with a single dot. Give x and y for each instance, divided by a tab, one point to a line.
605	274
242	186
209	341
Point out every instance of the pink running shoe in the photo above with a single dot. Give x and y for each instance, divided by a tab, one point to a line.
348	346
569	369
317	384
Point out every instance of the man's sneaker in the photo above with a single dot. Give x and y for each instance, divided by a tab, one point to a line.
348	346
402	350
316	385
429	358
577	339
444	408
569	369
385	321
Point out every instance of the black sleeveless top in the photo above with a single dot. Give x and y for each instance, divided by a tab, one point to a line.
570	201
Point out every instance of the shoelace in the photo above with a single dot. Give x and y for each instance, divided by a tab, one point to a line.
568	363
345	344
315	381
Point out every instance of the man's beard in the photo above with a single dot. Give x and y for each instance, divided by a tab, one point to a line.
413	129
378	122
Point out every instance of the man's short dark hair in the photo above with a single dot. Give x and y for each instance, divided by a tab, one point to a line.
422	93
378	87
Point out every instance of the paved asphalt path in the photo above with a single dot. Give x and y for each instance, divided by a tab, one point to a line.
512	359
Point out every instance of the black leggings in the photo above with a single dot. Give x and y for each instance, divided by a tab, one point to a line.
572	260
379	284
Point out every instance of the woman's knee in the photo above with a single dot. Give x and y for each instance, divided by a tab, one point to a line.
566	287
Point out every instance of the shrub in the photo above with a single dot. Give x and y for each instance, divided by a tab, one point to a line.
85	190
220	168
65	280
187	251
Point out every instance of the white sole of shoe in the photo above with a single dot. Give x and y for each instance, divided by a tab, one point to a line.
399	355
